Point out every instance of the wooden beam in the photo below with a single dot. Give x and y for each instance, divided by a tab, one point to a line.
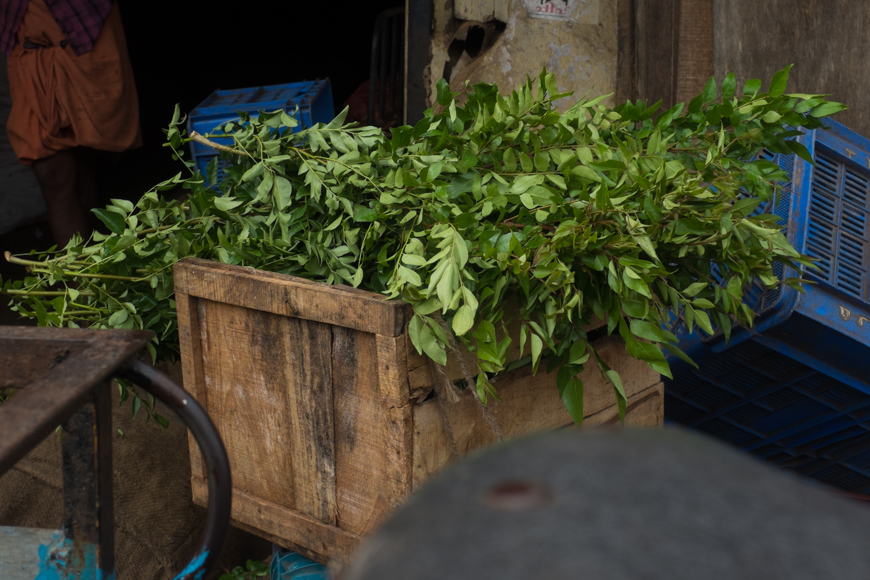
626	51
656	50
290	296
694	49
329	541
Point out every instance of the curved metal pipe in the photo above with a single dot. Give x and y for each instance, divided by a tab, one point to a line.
213	453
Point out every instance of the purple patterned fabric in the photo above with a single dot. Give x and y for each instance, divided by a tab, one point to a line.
80	20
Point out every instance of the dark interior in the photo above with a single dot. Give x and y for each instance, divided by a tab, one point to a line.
182	51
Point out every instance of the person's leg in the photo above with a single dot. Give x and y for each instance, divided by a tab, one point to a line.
88	163
57	179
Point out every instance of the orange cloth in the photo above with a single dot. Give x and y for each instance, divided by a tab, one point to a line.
60	100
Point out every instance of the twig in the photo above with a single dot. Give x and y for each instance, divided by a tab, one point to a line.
13	292
194	136
547	227
98	276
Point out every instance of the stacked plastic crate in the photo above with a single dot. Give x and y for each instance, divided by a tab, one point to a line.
313	99
795	389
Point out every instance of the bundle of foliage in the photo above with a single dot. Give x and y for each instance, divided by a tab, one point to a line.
498	205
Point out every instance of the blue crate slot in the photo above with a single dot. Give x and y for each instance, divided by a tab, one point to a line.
795	389
314	99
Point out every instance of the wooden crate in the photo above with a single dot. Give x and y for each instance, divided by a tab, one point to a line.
323	403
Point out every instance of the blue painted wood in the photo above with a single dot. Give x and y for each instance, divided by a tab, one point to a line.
19	551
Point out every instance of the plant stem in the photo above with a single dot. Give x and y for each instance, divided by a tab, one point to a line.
41	293
547	227
200	139
99	276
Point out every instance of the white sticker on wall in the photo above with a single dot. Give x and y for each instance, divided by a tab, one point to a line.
582	11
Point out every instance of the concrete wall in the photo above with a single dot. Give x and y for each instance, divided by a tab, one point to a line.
575	39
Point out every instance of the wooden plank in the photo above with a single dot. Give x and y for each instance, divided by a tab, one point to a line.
420	377
297	528
283	542
432	450
290	296
360	436
243	358
645	409
308	371
529	403
655	42
636	375
392	370
432	447
626	52
393	379
694	49
19	552
191	368
825	39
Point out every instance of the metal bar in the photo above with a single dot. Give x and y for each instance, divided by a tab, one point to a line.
87	357
213	453
87	489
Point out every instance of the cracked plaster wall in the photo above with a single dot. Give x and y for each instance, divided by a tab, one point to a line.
581	52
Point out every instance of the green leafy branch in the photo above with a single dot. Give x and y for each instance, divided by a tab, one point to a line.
509	226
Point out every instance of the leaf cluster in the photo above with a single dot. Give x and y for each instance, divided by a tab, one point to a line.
253	570
497	209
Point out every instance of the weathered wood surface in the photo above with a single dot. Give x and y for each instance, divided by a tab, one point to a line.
398	420
666	51
325	422
655	28
421	380
529	403
360	437
269	383
286	524
694	62
626	51
189	334
19	551
826	40
289	296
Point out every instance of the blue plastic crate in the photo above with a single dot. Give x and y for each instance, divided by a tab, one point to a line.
796	388
287	565
314	99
